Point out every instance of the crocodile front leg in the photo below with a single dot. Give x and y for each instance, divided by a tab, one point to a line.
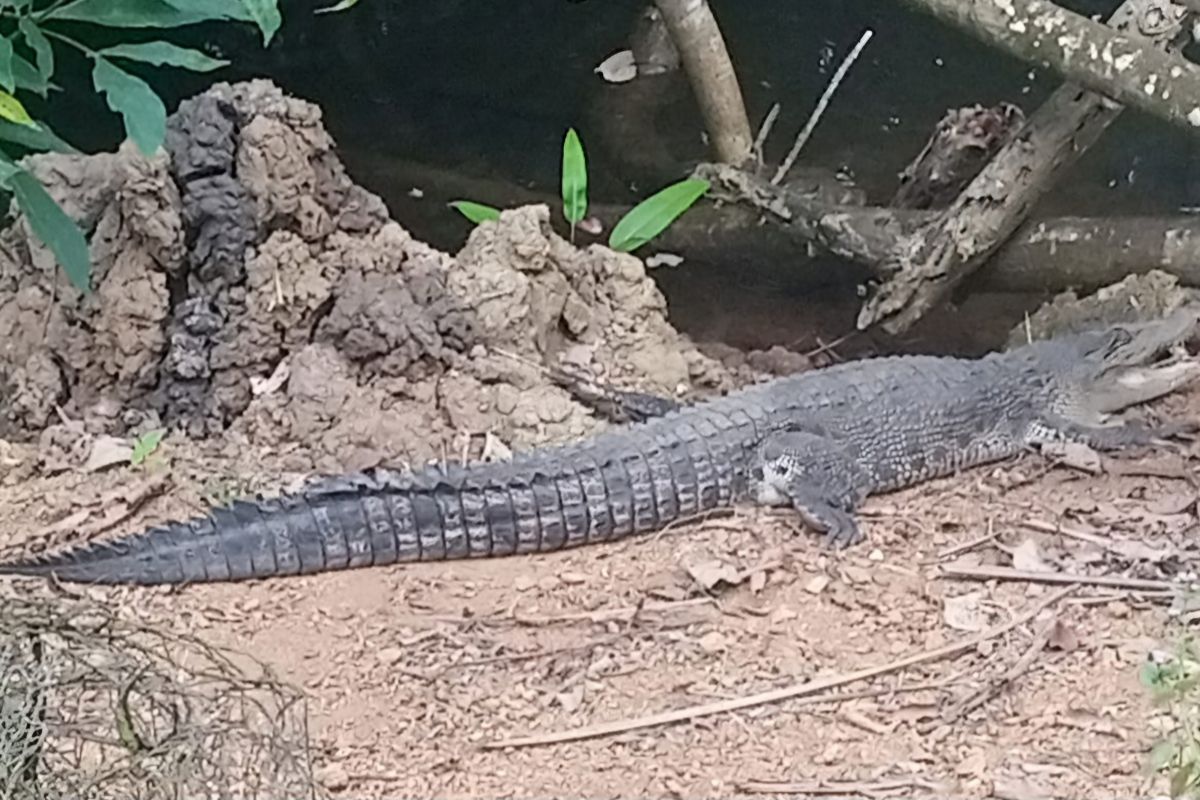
1109	437
819	478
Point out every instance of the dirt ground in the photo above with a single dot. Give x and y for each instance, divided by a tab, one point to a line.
263	307
413	670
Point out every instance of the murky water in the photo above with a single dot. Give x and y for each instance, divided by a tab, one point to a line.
485	90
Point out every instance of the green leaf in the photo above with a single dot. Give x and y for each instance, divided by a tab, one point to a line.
165	53
1161	755
144	113
574	179
341	6
27	76
43	52
37	136
651	217
265	14
476	212
12	110
52	225
133	13
146	444
215	9
7	81
1150	674
1179	780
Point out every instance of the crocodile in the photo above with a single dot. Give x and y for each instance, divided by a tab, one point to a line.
819	441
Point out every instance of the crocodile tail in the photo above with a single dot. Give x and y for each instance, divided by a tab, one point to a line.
618	487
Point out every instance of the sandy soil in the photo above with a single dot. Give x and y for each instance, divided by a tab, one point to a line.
414	670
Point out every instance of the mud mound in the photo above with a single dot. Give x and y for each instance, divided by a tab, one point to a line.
244	281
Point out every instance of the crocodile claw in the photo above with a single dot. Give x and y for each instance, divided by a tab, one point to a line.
840	528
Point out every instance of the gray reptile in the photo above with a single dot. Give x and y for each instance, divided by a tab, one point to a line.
820	441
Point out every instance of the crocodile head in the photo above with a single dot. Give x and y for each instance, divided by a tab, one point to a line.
1100	372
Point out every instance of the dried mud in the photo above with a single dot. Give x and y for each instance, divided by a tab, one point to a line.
255	300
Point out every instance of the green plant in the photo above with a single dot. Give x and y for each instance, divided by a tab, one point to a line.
1173	683
574	180
476	212
144	446
639	225
29	30
651	217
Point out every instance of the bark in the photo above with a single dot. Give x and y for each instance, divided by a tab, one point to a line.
698	38
932	262
1087	52
961	145
1047	255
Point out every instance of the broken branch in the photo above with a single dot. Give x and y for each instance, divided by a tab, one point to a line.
701	47
932	262
987	573
1119	65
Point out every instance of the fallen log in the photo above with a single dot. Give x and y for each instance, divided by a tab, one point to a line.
927	266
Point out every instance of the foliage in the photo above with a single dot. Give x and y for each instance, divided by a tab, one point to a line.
651	217
145	445
574	180
1174	683
476	212
29	31
639	225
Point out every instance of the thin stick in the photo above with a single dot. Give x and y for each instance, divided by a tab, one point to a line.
986	573
841	788
993	688
764	131
806	132
776	695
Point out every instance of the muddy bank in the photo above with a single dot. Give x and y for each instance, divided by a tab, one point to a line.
244	283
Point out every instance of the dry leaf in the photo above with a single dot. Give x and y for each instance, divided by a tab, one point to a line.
494	449
663	260
817	584
1175	503
571	699
1026	557
710	573
1076	455
266	386
758	581
1062	637
1139	551
107	451
1013	788
965	612
712	642
620	67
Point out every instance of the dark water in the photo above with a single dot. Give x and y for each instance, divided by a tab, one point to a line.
488	88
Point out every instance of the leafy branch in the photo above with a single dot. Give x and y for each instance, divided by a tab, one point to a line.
29	31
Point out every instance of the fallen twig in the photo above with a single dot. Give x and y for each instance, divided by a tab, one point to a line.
697	37
623	614
988	573
992	688
869	788
775	695
806	131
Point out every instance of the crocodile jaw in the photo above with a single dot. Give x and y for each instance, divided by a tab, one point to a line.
1135	385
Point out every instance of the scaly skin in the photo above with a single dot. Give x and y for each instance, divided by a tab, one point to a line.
820	441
